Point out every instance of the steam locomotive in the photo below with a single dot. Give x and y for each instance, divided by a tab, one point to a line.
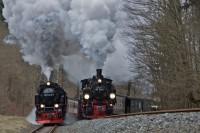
51	104
98	97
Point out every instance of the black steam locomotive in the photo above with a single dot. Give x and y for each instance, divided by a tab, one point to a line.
51	104
98	96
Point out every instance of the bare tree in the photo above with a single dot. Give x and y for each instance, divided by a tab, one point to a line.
165	48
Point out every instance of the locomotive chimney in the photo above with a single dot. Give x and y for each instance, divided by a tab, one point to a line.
99	72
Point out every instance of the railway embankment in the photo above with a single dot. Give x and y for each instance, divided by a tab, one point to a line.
158	123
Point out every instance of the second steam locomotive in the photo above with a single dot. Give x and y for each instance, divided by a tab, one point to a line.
98	96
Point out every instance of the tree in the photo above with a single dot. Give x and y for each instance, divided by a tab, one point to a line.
165	48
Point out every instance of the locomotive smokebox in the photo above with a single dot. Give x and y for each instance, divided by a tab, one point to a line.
99	72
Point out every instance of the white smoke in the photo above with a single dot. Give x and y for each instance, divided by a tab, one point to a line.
80	34
116	67
70	119
31	118
79	67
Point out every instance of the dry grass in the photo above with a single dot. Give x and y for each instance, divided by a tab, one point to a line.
12	124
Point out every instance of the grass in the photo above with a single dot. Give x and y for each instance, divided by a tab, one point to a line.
12	124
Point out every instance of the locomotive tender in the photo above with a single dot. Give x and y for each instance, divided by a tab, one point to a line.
51	104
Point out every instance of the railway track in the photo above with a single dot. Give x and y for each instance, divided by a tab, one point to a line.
51	129
45	129
156	112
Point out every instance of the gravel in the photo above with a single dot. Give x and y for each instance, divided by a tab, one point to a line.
163	123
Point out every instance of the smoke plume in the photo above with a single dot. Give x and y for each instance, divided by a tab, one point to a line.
79	34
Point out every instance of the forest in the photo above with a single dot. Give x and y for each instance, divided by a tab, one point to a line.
164	38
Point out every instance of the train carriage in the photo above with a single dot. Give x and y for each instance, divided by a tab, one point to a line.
119	107
127	104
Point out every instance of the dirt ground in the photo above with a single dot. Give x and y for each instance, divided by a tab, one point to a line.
12	124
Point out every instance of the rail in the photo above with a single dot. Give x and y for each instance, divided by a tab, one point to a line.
51	130
156	112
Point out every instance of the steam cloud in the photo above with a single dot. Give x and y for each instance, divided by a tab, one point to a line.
31	118
79	34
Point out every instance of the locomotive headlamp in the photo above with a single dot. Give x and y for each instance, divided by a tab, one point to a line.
42	105
99	81
56	105
86	96
112	95
48	83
